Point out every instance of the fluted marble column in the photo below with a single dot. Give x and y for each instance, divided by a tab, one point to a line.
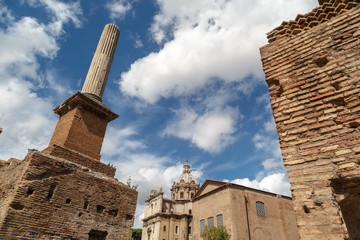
98	73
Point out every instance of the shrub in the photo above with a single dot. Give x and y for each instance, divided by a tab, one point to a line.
215	233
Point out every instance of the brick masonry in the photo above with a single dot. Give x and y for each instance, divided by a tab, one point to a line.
313	74
53	198
82	125
65	192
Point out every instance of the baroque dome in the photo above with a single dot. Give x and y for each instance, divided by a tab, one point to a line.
186	176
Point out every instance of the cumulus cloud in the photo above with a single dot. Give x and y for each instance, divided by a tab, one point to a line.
212	131
61	13
205	40
27	122
28	119
118	8
275	183
21	43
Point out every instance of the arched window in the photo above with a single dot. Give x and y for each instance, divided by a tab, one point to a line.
260	208
210	221
219	220
202	224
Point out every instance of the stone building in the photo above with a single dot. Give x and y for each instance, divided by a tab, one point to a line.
246	213
64	191
312	69
171	219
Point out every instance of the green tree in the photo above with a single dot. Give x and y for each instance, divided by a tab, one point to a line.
215	233
136	233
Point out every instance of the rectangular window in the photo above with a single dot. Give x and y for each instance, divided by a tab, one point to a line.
210	221
164	228
260	208
189	230
219	220
202	224
176	229
181	195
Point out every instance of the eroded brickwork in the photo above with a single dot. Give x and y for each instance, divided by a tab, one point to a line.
53	198
314	82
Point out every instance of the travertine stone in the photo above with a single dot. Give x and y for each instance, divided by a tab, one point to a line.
98	73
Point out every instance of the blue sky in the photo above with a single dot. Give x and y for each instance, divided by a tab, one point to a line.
186	80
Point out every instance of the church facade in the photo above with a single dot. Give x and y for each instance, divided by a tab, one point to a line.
246	213
171	218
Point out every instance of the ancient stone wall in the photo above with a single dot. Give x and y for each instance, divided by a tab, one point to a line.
312	69
58	199
9	178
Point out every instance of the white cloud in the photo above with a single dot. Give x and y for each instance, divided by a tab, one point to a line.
268	144
270	126
28	120
275	183
118	8
21	43
203	40
5	13
271	163
114	137
137	41
60	13
211	131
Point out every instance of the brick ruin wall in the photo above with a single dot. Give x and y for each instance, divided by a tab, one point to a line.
9	178
312	68
48	197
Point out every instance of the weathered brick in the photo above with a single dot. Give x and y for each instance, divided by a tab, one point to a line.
342	152
294	109
348	165
321	125
288	150
294	162
329	148
294	120
323	62
299	130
